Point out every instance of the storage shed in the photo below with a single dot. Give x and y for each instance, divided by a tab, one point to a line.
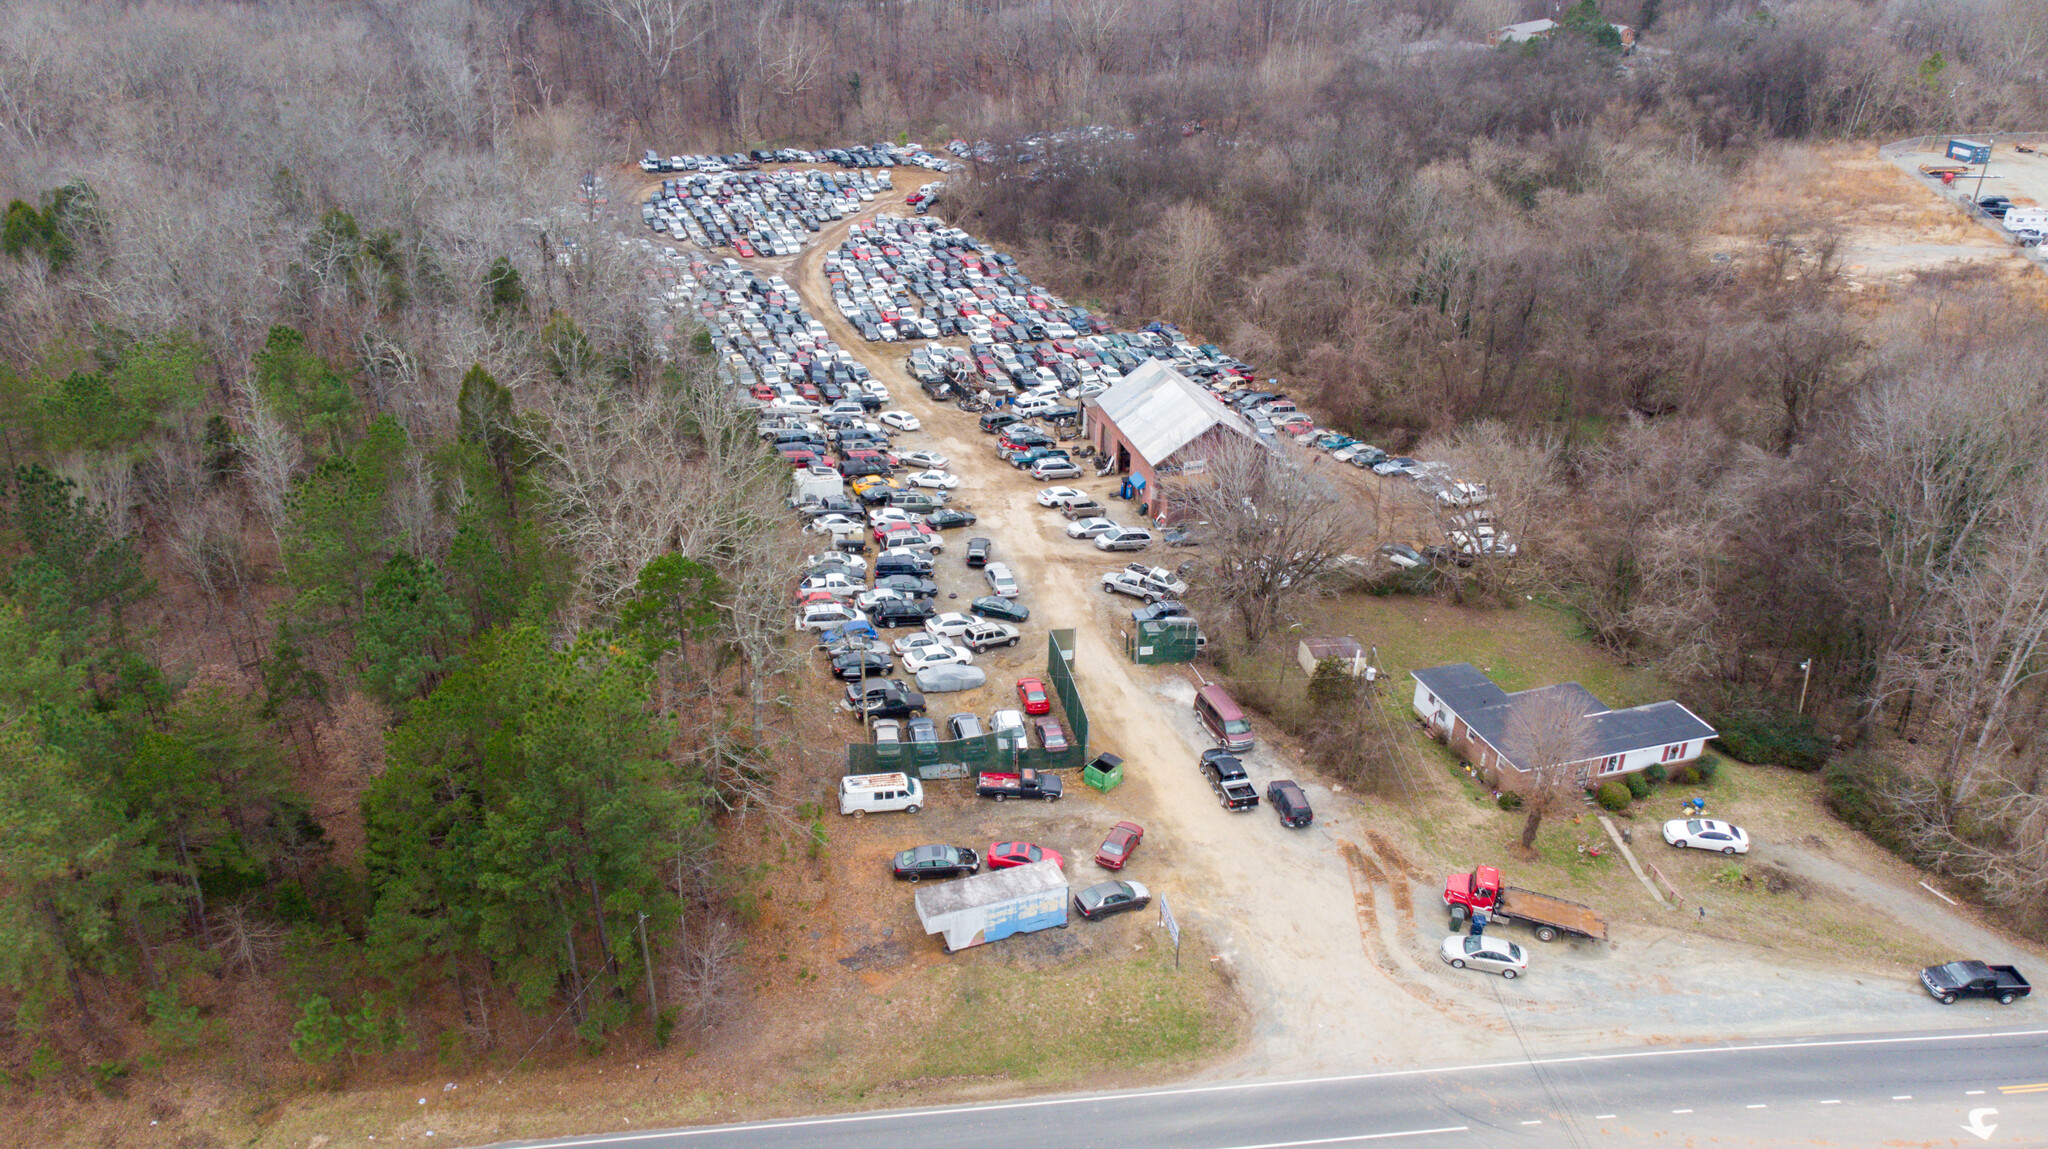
1347	650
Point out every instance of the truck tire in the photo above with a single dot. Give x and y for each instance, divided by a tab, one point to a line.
2007	998
1545	934
912	809
859	814
1000	797
1946	998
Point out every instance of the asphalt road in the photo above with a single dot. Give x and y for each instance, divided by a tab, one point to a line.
1986	1087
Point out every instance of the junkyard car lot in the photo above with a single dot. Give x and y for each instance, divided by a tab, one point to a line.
1376	968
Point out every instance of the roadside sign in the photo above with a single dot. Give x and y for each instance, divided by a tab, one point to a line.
1173	927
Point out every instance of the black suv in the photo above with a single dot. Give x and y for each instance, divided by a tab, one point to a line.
1290	803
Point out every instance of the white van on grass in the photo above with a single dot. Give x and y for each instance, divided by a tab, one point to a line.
880	793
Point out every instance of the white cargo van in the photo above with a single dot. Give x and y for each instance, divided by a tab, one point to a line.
879	793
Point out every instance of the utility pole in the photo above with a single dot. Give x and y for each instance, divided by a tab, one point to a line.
1805	676
1989	143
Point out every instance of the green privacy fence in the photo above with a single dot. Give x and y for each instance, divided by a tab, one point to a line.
959	758
1164	640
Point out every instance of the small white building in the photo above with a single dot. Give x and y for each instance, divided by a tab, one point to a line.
1470	714
1347	650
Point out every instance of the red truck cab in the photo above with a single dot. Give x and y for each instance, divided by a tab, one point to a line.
1478	890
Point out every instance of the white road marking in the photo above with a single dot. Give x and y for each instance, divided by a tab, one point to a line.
1830	1103
1532	1122
1604	1117
1971	1092
1359	1137
1240	1086
1902	1097
1753	1106
1681	1111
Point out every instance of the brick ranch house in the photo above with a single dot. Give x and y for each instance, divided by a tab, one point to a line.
1463	708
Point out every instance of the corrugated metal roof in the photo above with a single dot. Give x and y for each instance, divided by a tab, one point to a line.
1159	411
1327	647
1485	708
988	888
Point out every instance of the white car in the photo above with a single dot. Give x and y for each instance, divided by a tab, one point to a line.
934	480
1089	528
1008	728
1706	834
901	420
826	615
852	564
926	657
1054	468
1000	580
870	599
833	583
884	516
915	640
949	625
1123	539
930	459
835	525
1061	497
1492	954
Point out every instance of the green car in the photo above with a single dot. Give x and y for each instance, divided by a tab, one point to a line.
992	607
946	517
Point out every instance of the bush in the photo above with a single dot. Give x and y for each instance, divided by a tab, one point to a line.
1638	786
1613	795
1777	737
1509	801
1698	772
1656	773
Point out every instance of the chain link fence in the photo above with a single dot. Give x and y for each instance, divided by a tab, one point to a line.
1010	751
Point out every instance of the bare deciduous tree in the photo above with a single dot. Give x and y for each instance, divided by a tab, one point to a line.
1548	735
1272	531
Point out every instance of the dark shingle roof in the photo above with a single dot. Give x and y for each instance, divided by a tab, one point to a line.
1485	708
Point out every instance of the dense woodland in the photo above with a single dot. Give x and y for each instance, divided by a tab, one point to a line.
391	633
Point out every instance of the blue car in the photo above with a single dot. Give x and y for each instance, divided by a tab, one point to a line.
846	630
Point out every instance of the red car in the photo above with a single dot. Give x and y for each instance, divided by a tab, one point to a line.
1036	699
1117	848
1003	855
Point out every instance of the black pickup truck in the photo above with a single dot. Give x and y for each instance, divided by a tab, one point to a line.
1023	784
1955	979
1227	777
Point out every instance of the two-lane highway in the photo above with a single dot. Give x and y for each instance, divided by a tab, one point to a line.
1988	1087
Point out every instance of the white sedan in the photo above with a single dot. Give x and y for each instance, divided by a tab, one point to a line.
1060	496
835	525
1089	528
914	641
930	459
926	657
952	624
868	600
1494	955
901	420
1000	580
1706	834
885	516
934	480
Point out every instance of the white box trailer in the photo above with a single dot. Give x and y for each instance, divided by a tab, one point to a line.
2030	219
992	906
819	483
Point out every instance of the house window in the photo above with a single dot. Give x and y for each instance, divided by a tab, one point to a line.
1432	698
1610	764
1675	752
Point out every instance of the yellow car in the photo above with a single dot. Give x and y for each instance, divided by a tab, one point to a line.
866	483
